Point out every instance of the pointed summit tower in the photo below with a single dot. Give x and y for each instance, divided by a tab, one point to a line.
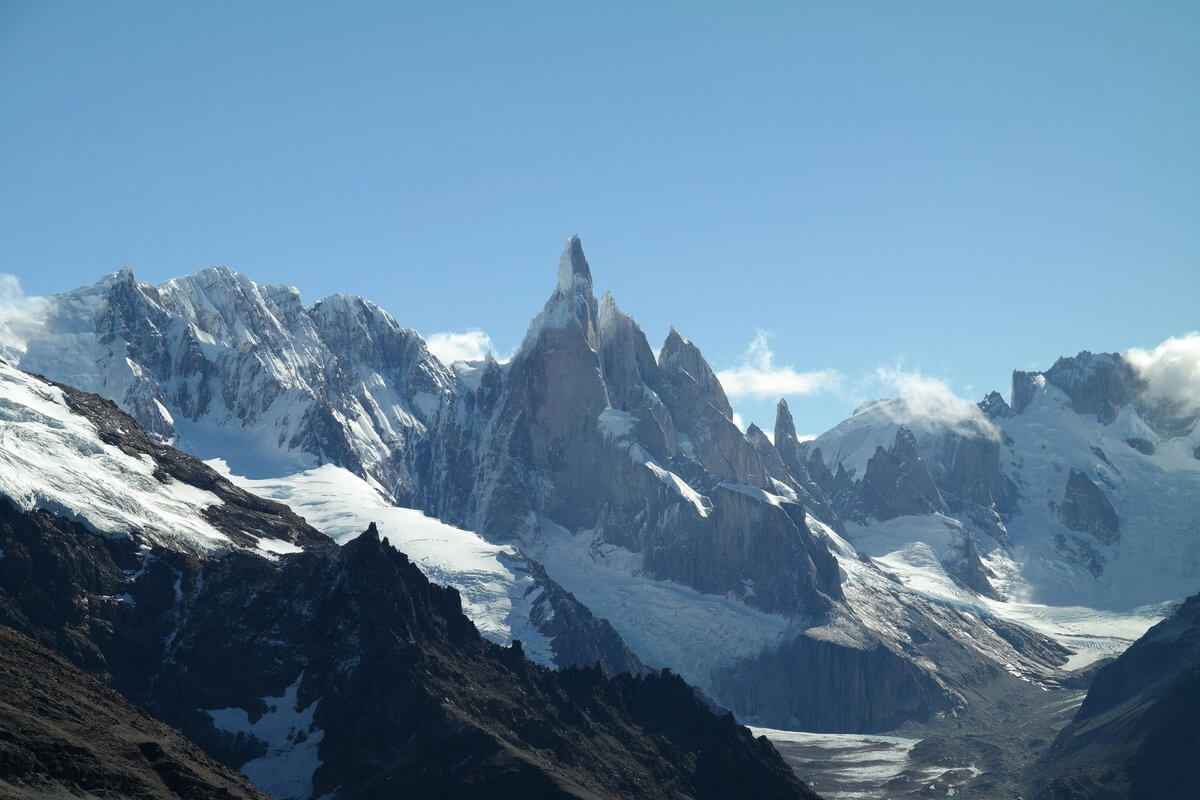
573	266
785	436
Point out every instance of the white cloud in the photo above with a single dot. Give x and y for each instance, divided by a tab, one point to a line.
759	377
929	402
471	345
20	315
1171	371
739	421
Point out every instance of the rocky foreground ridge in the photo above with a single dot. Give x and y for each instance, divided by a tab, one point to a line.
314	669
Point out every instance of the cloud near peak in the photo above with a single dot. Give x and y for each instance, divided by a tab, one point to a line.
930	402
470	345
757	376
20	316
1171	371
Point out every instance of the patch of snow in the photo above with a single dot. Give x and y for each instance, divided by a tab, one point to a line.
286	770
617	426
277	546
758	494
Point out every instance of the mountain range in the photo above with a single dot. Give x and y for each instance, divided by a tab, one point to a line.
925	569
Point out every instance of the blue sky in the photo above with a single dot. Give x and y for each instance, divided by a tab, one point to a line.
957	189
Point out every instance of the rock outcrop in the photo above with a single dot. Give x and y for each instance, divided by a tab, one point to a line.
1086	508
898	483
65	734
1095	383
1135	734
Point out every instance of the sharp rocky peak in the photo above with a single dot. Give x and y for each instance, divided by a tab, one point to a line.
680	355
785	426
573	267
994	407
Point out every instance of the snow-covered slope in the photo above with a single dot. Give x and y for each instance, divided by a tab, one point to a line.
500	593
1153	552
1082	508
92	464
224	367
51	458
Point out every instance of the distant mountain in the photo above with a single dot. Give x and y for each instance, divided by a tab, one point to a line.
1137	734
316	670
1079	493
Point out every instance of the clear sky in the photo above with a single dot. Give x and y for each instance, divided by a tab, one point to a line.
954	188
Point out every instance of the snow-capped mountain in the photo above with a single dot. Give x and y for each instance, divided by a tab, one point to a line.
316	670
227	368
1079	493
907	565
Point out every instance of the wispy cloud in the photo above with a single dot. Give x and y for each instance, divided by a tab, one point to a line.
757	376
470	345
20	315
1171	371
930	402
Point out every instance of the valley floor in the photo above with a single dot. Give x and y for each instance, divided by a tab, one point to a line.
934	760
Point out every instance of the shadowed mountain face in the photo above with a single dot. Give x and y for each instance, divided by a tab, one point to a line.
323	670
1137	733
64	734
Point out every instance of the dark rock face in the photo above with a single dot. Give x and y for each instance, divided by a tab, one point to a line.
703	414
968	473
406	693
785	687
789	451
1143	446
1085	508
1082	552
994	407
843	491
897	481
1101	384
885	682
1135	734
785	433
64	734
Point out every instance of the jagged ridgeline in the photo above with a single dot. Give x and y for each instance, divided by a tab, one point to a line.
618	473
937	565
316	670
